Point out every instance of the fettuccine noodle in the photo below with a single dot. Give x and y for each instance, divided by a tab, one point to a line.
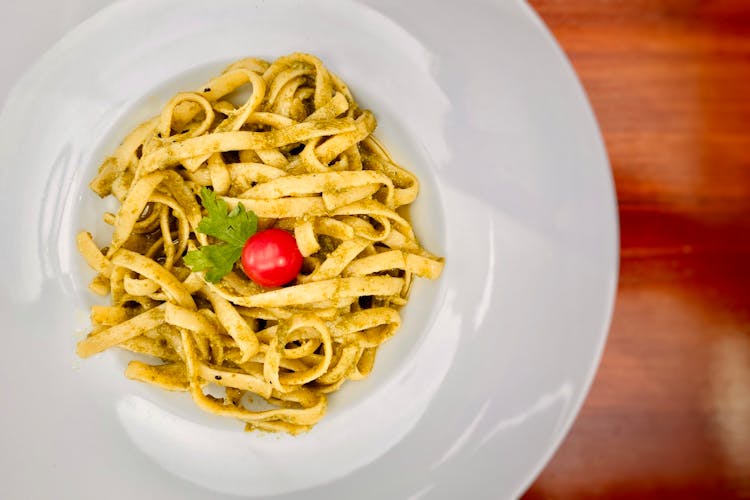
300	153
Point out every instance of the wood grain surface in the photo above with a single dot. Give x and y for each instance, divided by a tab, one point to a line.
668	415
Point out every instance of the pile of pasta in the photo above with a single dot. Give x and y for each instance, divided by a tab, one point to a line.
300	153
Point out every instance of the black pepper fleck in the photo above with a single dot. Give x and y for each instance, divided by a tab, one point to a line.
217	377
207	89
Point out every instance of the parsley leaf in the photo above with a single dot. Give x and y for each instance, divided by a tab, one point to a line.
232	227
216	260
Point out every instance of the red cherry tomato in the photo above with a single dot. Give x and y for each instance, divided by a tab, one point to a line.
271	257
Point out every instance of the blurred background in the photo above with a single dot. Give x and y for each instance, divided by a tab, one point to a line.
668	415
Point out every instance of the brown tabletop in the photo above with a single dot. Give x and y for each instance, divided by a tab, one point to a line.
668	415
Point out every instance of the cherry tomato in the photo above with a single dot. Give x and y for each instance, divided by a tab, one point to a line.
271	257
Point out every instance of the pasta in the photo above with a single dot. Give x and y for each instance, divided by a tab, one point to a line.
299	153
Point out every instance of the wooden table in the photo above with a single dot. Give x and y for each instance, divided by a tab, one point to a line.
668	415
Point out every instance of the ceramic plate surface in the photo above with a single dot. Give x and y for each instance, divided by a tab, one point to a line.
493	360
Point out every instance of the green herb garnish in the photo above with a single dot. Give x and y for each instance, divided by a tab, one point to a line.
232	227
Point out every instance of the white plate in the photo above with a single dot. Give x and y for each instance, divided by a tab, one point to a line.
493	362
